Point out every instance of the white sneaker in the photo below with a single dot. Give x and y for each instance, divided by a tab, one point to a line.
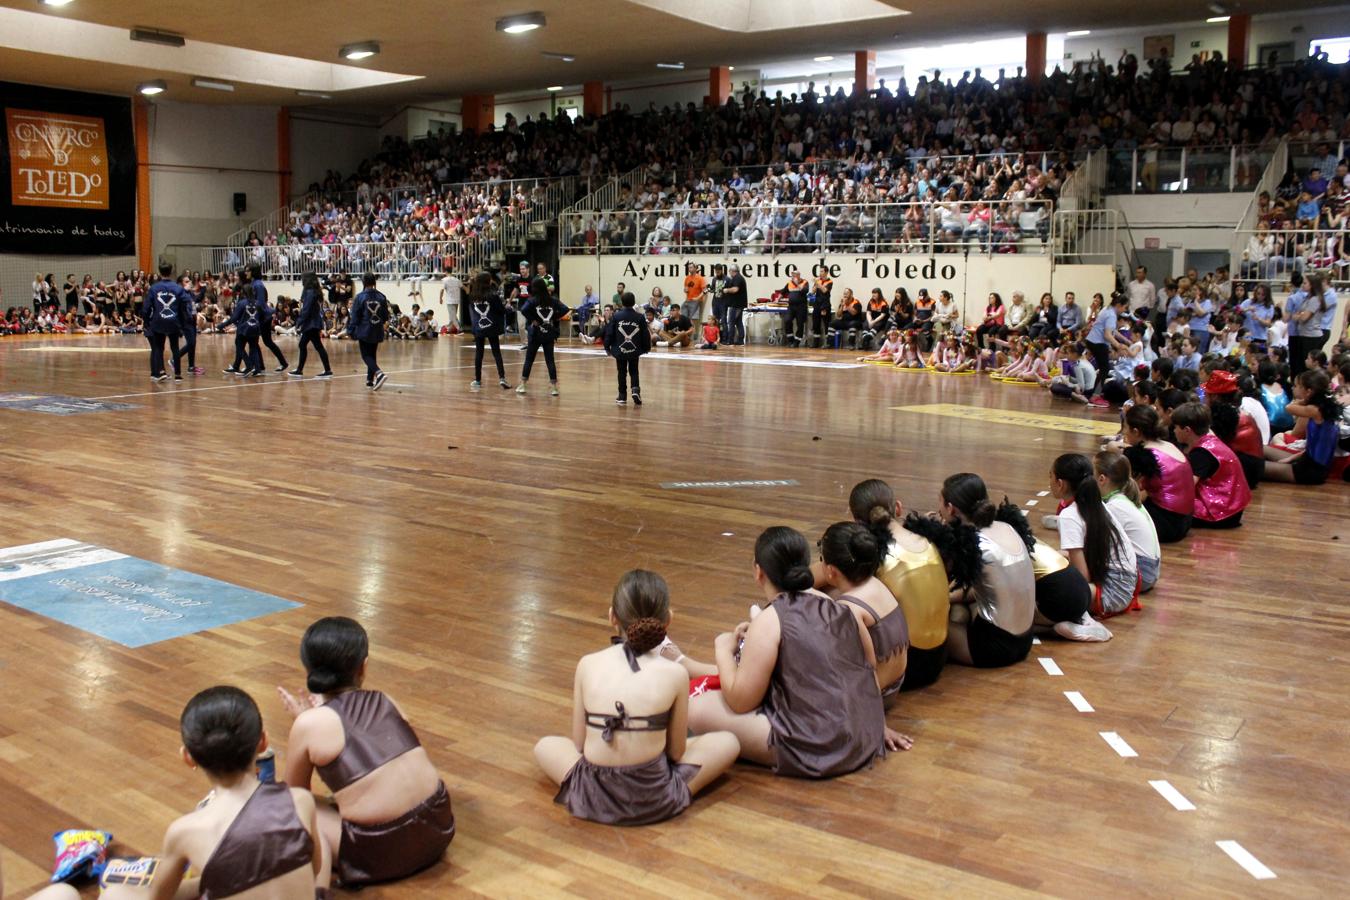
553	390
1085	629
1051	522
520	389
475	385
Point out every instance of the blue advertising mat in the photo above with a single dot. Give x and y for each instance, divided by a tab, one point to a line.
131	601
58	405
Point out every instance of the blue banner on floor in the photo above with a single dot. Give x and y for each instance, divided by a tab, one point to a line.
131	601
58	405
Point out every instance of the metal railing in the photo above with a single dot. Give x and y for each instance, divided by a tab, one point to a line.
1186	170
1273	256
1083	188
606	196
395	259
1086	236
1003	227
282	218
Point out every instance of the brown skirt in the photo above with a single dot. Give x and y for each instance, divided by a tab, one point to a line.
641	794
399	848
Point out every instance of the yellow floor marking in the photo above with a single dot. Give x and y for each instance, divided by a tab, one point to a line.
1013	417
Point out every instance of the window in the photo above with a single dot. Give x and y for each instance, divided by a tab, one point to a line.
1337	49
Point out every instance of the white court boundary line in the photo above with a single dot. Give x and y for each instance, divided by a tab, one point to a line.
277	378
1118	744
1049	665
1172	795
1079	702
1239	854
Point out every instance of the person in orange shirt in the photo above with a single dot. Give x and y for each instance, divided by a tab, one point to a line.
820	312
695	285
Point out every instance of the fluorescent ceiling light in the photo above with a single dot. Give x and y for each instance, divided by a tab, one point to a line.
824	58
731	68
154	36
1085	32
56	2
318	95
1214	20
556	87
210	85
151	88
564	57
521	23
362	50
678	65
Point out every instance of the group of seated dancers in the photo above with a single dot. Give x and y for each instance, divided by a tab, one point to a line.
802	686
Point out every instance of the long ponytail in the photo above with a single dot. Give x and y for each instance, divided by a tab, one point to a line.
1101	539
1116	469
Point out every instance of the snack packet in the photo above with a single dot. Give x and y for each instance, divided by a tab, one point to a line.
80	853
132	872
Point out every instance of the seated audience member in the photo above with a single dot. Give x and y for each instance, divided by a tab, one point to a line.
1093	540
803	699
1124	501
1077	376
1063	595
889	351
676	330
1163	472
1320	413
849	557
912	569
249	837
1045	319
628	760
1221	492
845	327
994	601
391	814
909	356
711	334
1234	426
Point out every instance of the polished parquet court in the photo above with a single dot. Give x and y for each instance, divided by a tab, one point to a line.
478	536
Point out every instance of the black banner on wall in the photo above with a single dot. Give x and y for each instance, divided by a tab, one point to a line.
67	173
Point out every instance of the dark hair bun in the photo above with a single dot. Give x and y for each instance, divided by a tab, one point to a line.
324	681
879	515
798	578
644	634
982	516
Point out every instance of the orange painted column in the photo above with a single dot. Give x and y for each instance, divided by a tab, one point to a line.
1239	29
140	112
593	98
864	71
478	111
719	86
283	156
1035	56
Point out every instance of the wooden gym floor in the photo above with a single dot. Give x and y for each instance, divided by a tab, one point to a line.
478	536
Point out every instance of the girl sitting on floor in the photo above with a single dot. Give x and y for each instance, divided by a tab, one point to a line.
711	334
248	835
1317	409
947	357
912	569
392	814
889	351
1121	494
1163	472
909	356
1093	540
628	760
1221	492
803	698
994	596
849	558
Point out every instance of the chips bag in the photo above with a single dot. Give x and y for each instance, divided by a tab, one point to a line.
132	872
80	853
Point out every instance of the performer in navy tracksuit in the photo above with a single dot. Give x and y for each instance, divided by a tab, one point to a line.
543	314
487	318
162	312
260	291
250	317
310	325
626	339
369	315
189	348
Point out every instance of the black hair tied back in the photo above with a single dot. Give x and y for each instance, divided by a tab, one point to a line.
785	558
332	651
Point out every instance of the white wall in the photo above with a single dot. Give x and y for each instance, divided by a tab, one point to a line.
318	145
1181	222
535	104
1298	26
200	156
678	88
970	279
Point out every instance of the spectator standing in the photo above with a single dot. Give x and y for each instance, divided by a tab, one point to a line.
1141	292
452	294
736	293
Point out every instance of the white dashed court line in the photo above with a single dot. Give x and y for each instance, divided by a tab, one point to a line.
1050	666
1032	502
1172	795
1079	703
1042	493
1118	744
1035	641
1239	855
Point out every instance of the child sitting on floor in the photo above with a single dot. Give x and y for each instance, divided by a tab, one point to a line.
711	334
889	351
910	356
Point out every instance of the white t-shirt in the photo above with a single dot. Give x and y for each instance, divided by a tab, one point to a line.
1254	408
454	289
1073	533
1137	525
1277	335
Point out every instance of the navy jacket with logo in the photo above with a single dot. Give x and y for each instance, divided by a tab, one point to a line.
165	307
487	315
311	311
544	317
370	313
626	335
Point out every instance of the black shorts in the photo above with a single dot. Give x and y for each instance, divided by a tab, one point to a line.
992	648
1171	526
923	667
1307	471
1233	521
1063	596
